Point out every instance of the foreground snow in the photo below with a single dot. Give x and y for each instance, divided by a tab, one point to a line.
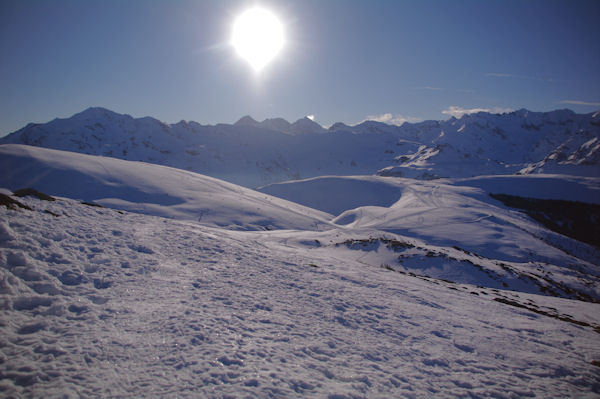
100	302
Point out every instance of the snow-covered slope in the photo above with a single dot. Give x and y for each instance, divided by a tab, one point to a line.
458	223
542	186
150	189
367	286
253	153
518	142
467	235
96	302
335	194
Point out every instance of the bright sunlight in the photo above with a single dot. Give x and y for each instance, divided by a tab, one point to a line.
257	37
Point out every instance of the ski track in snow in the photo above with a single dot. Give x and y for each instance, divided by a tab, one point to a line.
102	303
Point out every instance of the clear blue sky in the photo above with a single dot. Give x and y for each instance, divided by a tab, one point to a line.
344	60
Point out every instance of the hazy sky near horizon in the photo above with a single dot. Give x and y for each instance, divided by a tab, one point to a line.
343	60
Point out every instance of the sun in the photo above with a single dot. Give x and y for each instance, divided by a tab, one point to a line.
257	37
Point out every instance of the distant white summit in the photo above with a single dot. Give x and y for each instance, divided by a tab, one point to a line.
301	126
253	153
246	120
306	126
278	124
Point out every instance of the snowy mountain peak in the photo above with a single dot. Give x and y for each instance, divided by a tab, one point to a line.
277	124
520	113
339	126
306	125
301	126
246	120
98	113
374	127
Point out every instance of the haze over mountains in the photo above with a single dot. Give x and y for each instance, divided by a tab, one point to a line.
253	154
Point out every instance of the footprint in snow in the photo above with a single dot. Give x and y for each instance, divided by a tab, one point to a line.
32	328
440	334
30	303
464	348
101	284
141	249
72	278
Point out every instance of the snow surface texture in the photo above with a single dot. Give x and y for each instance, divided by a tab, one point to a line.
98	302
253	154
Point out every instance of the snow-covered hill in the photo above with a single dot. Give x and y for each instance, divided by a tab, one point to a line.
252	153
371	286
465	235
335	194
150	189
473	238
96	302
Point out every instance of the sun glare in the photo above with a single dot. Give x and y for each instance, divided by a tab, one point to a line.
257	37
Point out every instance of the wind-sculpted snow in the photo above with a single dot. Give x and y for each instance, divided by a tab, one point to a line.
253	154
96	302
150	189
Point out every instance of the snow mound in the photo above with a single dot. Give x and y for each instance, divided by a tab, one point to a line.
150	189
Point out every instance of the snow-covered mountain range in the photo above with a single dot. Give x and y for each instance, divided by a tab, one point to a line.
252	153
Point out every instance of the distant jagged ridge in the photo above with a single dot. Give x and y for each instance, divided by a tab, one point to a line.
253	153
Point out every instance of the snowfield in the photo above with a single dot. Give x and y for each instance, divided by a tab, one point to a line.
101	302
182	285
151	189
465	235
